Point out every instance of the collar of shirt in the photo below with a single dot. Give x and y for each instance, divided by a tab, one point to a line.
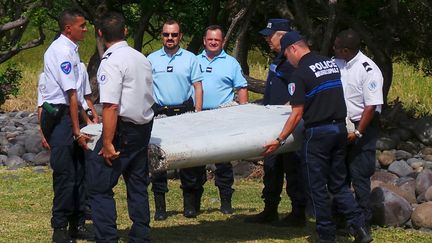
115	47
221	55
178	53
68	42
354	59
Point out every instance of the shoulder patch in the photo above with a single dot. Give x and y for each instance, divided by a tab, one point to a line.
372	86
107	55
66	67
291	88
367	67
102	78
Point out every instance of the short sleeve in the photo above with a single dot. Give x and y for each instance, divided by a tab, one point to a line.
67	69
239	80
196	74
372	87
110	82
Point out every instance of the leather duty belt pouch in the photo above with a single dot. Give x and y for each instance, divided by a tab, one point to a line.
51	115
171	110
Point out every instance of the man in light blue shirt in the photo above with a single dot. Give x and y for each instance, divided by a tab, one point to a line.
177	89
222	75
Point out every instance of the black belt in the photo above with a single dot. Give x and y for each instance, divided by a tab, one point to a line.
171	110
326	122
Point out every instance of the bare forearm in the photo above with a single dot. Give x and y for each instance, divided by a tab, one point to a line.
73	110
198	95
109	116
242	94
292	122
366	118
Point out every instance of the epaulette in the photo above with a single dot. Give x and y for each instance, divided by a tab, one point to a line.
367	67
107	55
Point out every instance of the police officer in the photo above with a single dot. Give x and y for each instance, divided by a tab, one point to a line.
125	85
60	127
276	93
362	81
317	97
177	89
222	75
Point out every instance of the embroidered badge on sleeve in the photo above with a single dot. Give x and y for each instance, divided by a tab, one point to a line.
66	67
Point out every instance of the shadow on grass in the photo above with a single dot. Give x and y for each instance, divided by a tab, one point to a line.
231	229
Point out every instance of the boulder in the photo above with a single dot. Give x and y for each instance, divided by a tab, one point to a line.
423	130
423	181
3	159
409	196
428	194
408	146
427	157
400	168
385	177
386	158
42	158
426	150
407	184
388	208
29	157
385	143
14	162
422	216
402	155
33	144
16	149
404	134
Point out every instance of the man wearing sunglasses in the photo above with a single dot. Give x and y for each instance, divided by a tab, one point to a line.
176	89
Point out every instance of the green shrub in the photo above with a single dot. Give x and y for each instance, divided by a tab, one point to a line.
9	83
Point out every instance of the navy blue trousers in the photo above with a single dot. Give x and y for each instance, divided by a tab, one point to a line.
131	141
361	165
324	151
275	166
67	163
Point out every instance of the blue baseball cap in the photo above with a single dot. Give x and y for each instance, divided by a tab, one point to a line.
274	25
290	38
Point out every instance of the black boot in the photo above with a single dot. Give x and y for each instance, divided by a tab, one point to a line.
296	218
269	215
361	235
160	205
198	195
226	207
189	205
81	232
61	235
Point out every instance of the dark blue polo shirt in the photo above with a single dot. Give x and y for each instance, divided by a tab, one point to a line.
276	90
316	83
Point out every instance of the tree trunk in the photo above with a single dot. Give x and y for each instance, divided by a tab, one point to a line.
328	33
195	43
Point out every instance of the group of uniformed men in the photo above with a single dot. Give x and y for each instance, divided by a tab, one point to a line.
171	81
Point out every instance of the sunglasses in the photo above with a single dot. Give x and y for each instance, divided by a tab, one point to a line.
173	35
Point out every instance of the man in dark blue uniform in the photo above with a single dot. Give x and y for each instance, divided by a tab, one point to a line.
317	97
125	84
276	93
60	127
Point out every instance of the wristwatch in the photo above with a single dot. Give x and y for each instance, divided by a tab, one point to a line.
358	133
281	142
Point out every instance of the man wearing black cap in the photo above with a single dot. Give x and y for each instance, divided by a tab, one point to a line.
316	95
276	93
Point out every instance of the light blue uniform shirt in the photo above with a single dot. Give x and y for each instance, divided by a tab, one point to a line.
221	75
173	76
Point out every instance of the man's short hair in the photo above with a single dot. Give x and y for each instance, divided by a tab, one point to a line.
112	25
68	16
171	22
349	39
214	27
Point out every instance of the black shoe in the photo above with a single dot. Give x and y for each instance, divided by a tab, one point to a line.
81	232
267	216
189	205
297	220
362	236
61	235
226	207
160	213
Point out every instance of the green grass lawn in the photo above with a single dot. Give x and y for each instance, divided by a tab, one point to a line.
25	209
